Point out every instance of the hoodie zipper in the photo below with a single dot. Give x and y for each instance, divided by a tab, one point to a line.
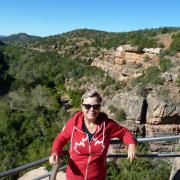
89	158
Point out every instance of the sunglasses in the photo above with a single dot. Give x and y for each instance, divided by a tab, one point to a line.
94	106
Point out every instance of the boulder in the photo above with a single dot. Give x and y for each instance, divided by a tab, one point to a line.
131	104
41	171
161	111
152	50
35	173
128	48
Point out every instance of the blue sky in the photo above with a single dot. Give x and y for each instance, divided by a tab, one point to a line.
50	17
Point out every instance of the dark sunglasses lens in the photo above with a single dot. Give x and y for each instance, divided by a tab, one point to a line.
88	106
96	107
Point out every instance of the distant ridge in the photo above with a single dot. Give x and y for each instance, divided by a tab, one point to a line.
18	38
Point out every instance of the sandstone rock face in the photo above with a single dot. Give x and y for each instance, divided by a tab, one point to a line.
114	61
39	172
154	117
152	50
161	112
83	43
127	48
131	104
165	129
162	130
175	171
35	173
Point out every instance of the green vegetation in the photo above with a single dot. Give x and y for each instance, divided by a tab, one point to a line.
178	80
165	64
174	48
152	76
146	58
75	97
140	169
176	42
35	106
41	83
120	115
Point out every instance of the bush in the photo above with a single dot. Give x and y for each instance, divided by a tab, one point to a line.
176	42
120	115
140	169
165	64
147	58
178	80
152	75
168	52
75	97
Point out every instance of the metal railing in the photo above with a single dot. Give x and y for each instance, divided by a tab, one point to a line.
56	168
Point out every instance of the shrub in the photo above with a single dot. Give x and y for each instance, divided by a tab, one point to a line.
147	58
165	64
141	89
176	42
140	169
168	52
75	97
120	115
178	80
152	75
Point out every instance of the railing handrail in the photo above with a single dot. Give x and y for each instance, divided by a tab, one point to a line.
151	139
55	168
43	160
24	167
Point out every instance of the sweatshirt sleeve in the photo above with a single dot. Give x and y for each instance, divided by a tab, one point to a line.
117	131
62	138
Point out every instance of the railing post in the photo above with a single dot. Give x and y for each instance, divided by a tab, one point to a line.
54	171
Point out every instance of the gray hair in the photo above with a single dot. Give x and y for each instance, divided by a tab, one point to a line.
92	93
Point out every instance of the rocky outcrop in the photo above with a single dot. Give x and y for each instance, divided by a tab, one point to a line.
158	113
151	116
35	173
116	62
164	129
40	172
162	112
175	171
152	50
130	103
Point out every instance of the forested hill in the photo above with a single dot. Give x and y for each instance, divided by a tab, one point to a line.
18	38
41	83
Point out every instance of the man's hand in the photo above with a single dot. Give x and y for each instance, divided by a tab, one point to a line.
54	158
131	152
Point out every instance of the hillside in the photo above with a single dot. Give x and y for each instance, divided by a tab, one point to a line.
18	38
41	82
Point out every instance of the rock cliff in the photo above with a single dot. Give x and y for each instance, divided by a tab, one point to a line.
156	114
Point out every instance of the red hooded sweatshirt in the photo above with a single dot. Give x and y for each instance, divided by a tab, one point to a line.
88	158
